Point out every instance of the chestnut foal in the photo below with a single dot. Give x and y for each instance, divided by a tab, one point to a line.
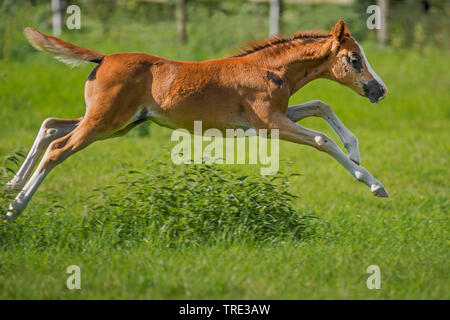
248	90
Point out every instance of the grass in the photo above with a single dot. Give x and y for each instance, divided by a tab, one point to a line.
341	228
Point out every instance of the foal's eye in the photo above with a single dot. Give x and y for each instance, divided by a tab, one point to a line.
356	62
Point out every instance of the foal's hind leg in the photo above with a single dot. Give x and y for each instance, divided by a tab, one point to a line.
128	128
56	153
317	108
51	129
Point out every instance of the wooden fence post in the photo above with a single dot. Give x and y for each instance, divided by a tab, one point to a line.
181	20
382	33
57	17
274	18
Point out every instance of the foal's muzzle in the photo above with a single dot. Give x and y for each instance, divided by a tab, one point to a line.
374	90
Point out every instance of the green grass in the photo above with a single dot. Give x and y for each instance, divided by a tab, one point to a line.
404	142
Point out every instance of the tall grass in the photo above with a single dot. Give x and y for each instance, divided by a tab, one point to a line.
166	207
201	204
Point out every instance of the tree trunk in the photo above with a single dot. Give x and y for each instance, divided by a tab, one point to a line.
383	31
181	21
57	17
274	18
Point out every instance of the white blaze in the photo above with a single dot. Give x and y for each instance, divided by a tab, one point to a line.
371	71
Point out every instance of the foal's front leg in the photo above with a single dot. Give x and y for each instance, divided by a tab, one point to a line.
317	108
291	131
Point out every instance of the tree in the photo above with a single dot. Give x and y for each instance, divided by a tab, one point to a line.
181	20
383	31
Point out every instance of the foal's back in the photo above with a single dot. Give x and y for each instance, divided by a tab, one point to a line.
174	92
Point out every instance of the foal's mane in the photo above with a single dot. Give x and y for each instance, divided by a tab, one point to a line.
252	46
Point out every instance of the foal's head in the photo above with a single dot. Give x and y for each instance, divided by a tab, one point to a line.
349	66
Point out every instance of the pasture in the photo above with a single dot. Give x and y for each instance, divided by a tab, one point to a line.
338	227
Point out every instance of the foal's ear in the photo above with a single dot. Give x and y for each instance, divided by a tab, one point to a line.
340	30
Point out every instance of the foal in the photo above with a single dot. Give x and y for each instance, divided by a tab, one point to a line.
248	90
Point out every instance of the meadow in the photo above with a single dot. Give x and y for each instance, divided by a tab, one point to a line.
141	228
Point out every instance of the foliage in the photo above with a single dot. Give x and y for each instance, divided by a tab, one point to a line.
201	204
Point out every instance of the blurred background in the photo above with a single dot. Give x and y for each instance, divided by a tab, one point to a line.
199	29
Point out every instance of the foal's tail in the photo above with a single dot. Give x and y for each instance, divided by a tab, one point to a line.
66	52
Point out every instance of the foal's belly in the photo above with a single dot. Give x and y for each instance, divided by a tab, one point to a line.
210	118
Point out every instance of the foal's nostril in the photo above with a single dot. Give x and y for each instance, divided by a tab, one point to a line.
384	92
374	90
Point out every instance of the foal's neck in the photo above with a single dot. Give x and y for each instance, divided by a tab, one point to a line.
297	63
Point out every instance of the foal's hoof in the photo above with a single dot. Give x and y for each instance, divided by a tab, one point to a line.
379	191
10	215
11	186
